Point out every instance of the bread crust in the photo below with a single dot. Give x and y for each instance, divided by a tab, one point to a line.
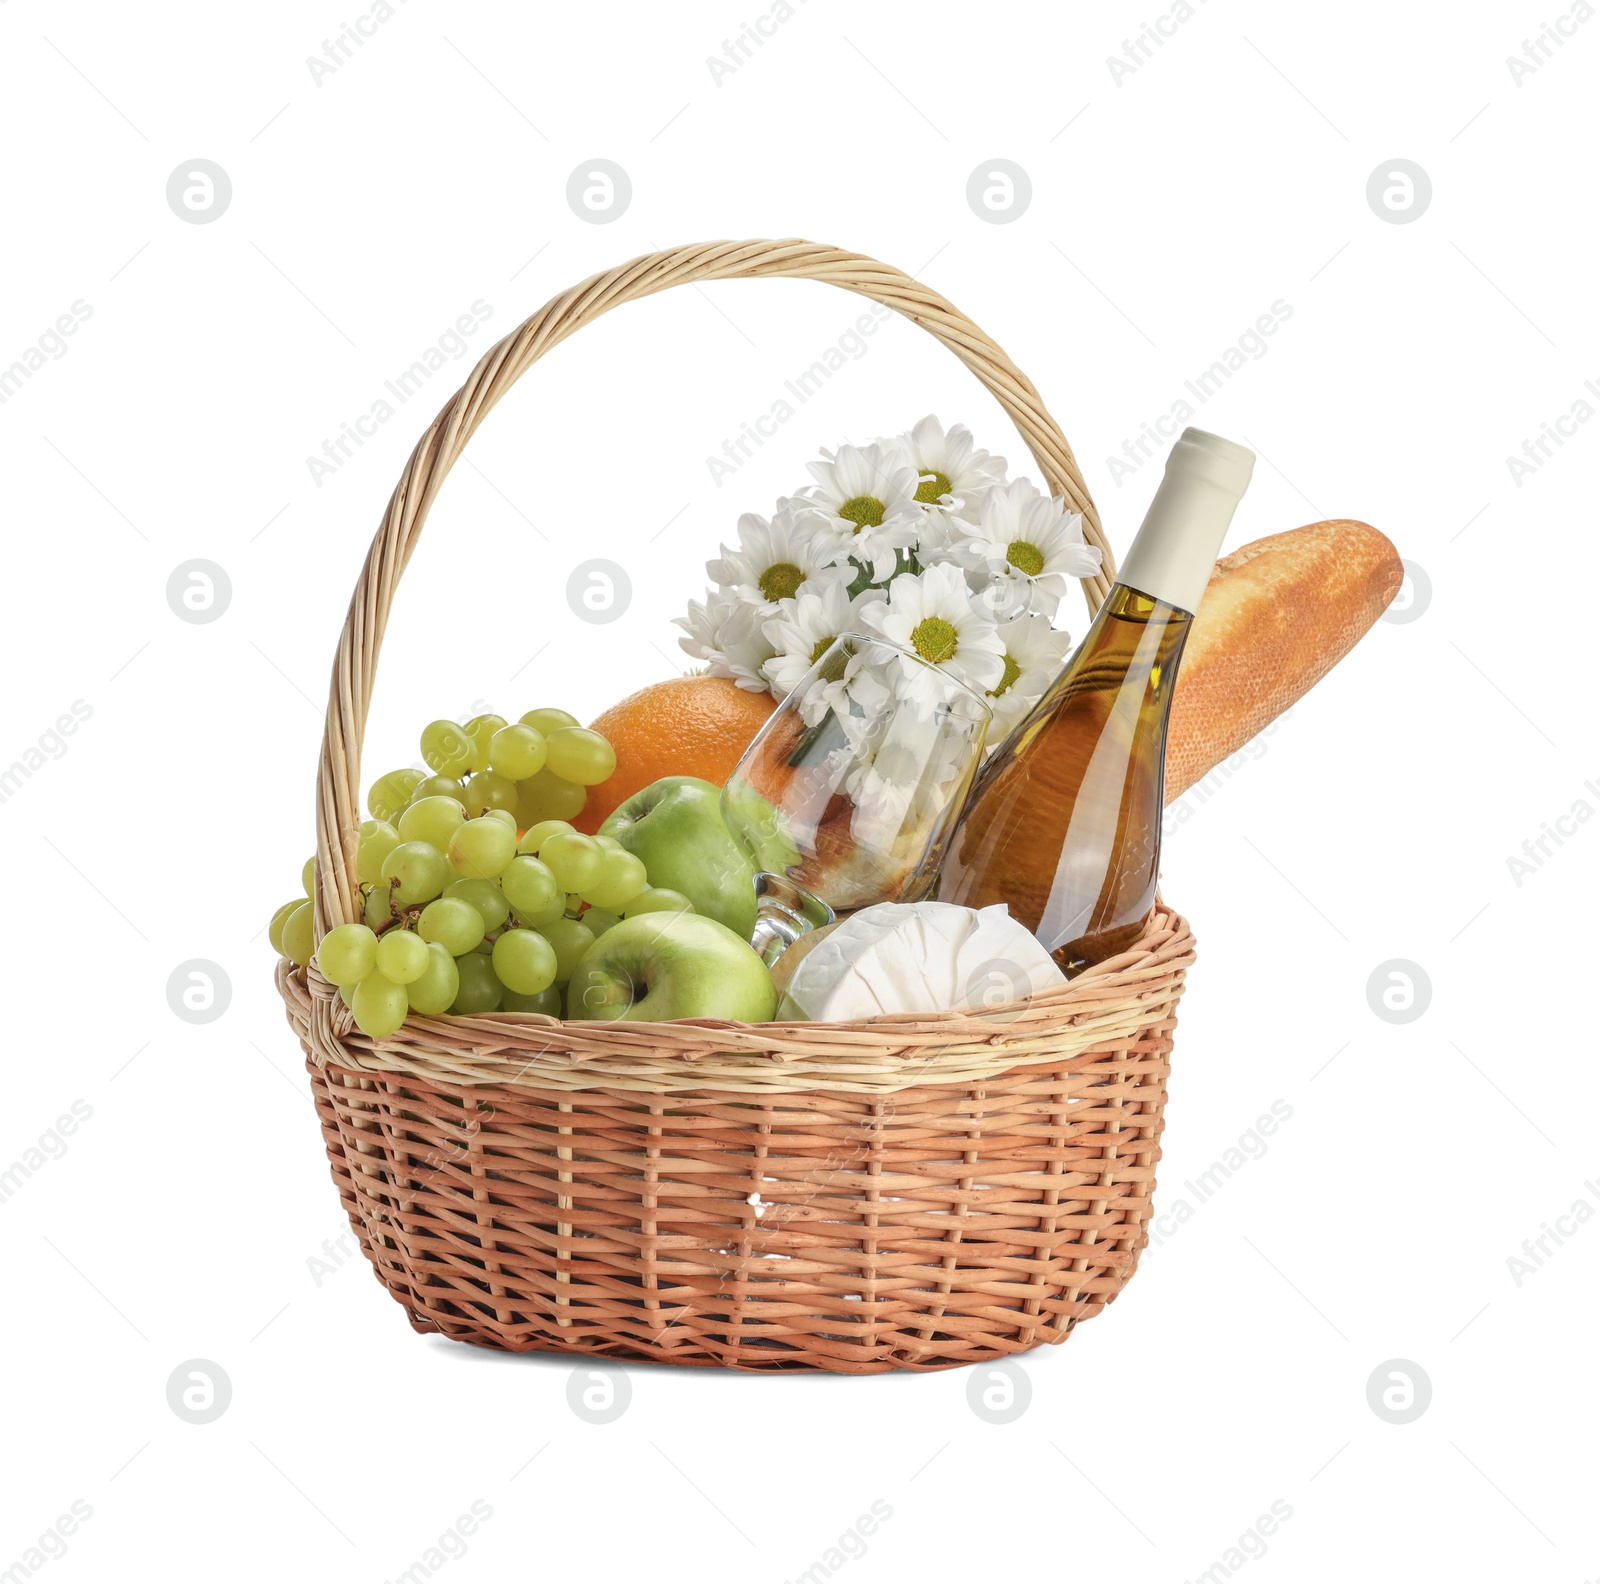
1278	614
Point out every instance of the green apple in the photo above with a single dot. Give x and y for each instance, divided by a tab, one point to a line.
676	826
656	966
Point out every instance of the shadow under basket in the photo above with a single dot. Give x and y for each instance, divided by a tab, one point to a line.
910	1192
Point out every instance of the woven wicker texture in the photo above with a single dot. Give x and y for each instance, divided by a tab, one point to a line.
910	1192
853	1231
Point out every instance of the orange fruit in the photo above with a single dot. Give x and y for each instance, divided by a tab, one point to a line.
692	726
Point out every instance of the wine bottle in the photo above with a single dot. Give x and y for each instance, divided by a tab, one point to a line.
1064	820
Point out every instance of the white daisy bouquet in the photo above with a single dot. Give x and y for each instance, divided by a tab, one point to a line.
921	540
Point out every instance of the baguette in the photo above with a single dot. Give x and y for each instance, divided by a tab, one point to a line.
1277	615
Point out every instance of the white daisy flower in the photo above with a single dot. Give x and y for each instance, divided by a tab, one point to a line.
776	559
952	473
726	633
745	647
703	624
1021	535
856	687
1034	655
904	775
933	615
881	804
865	498
805	626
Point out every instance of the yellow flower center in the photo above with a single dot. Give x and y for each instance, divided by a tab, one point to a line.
780	582
865	511
934	639
821	649
1007	677
1026	558
934	486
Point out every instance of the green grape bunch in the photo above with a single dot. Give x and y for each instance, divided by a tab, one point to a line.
477	894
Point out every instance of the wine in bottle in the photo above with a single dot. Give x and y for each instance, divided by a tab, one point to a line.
1064	820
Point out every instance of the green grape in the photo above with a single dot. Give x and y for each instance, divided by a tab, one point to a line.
379	1006
479	990
433	820
433	991
402	956
446	749
347	994
377	840
489	789
486	897
576	754
547	797
279	919
454	924
658	899
390	793
481	729
347	953
610	843
421	869
376	909
535	834
546	1001
537	918
298	931
438	786
505	816
517	751
599	920
308	875
524	961
621	879
571	940
574	904
573	859
545	721
529	886
481	848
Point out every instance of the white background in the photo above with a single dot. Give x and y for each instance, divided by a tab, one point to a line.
1168	211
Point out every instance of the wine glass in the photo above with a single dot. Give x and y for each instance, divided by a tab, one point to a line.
850	790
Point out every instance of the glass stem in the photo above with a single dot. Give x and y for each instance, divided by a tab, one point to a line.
784	912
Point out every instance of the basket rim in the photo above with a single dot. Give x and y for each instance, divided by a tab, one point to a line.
1111	1003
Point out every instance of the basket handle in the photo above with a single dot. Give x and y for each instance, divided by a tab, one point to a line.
339	773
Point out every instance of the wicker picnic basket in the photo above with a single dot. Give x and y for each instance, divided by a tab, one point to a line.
912	1192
